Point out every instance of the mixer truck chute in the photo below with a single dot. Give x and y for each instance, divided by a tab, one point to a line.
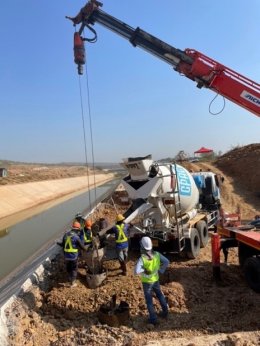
166	205
196	66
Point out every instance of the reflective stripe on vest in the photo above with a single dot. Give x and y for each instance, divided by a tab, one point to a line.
153	266
68	247
121	234
87	239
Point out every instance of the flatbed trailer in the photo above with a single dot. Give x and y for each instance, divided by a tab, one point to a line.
248	242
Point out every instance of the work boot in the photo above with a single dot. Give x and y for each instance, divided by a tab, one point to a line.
153	322
74	284
163	314
124	269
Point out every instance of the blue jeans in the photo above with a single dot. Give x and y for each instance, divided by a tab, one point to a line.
149	288
122	254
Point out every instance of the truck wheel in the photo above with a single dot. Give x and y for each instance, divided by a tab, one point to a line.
203	233
252	273
244	252
193	244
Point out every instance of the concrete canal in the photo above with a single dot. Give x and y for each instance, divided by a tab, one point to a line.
20	243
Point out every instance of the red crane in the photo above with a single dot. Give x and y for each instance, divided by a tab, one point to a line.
196	66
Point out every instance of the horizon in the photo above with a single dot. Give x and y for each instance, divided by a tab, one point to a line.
111	162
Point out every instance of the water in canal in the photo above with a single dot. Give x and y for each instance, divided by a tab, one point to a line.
24	239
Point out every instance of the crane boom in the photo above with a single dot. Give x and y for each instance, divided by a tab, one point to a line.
196	66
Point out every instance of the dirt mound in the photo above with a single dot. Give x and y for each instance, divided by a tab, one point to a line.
243	164
242	169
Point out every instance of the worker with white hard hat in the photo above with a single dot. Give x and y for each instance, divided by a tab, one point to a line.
149	265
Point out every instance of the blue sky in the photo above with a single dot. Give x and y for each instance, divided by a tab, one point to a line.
139	105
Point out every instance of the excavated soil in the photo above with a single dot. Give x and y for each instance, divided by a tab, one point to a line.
202	312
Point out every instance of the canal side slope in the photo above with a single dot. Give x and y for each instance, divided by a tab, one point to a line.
20	201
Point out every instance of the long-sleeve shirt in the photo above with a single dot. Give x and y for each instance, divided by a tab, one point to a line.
139	265
114	230
76	243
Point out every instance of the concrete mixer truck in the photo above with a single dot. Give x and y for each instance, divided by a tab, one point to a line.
174	207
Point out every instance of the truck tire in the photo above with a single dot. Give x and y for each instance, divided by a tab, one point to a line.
252	273
202	228
193	244
244	252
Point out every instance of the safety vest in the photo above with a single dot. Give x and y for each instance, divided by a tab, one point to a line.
68	247
121	237
87	237
152	266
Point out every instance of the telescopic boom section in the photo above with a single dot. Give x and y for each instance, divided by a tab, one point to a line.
196	66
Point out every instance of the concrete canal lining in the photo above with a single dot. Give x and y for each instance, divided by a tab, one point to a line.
20	201
32	272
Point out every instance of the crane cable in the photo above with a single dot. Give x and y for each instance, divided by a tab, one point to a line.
91	131
91	136
84	137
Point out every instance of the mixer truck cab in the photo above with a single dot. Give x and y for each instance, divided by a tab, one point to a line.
208	184
166	206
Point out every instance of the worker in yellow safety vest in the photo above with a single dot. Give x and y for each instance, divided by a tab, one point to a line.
86	235
120	231
149	265
71	244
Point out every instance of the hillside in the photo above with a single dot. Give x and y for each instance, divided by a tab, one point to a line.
240	168
243	165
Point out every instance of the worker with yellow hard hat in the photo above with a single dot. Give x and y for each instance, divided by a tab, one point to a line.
120	231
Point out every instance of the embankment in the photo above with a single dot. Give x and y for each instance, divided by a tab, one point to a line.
18	202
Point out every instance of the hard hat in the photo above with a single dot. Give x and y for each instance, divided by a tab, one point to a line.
146	243
120	217
76	225
78	216
88	223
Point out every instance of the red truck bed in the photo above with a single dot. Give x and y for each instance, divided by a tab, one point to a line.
245	234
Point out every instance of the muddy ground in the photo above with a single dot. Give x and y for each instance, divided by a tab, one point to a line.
202	312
